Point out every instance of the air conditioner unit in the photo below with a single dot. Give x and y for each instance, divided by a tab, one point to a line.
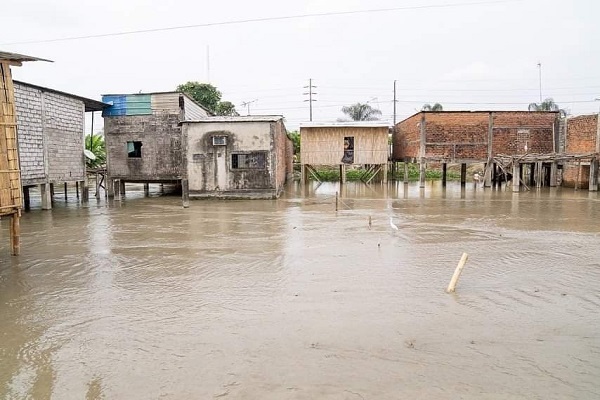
219	140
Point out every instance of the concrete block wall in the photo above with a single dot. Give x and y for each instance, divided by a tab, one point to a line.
281	151
28	104
64	125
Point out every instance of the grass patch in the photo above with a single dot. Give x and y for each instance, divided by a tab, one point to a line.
332	174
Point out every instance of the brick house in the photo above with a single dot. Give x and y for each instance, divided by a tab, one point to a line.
582	137
51	134
237	157
473	136
143	137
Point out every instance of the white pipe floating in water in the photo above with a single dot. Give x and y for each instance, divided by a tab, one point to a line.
457	272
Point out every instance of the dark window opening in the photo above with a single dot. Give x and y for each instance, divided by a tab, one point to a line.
256	160
134	149
348	157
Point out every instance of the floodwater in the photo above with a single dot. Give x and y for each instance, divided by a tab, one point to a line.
290	299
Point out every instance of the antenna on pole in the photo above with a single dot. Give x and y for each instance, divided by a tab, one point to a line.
310	94
247	105
539	64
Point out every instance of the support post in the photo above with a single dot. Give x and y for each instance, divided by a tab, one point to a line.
539	172
185	193
422	173
578	182
593	175
385	173
516	180
46	196
117	186
15	234
405	172
97	185
85	191
110	187
342	173
337	199
26	198
122	188
147	189
463	174
553	174
52	193
303	174
487	175
457	272
495	175
444	174
532	174
66	196
77	188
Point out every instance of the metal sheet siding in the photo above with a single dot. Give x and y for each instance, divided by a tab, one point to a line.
192	110
165	103
118	106
138	104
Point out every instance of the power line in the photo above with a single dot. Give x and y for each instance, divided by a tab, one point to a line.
265	19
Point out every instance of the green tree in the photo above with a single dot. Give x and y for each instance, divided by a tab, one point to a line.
96	145
295	136
226	108
547	105
361	112
435	107
204	93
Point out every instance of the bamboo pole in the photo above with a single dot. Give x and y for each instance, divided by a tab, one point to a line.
457	272
336	201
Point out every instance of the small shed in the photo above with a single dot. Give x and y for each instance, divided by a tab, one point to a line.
237	157
345	144
51	131
10	181
465	137
143	137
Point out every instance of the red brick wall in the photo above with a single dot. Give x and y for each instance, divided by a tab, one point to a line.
464	135
581	134
570	172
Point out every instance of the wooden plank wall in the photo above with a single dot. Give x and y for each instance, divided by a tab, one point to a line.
325	145
10	181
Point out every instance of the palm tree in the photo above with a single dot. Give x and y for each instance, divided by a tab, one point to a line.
435	107
96	145
547	105
361	112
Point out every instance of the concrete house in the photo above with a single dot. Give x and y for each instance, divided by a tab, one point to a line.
143	137
344	144
51	127
237	157
464	137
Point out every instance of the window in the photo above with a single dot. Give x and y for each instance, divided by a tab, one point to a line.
134	149
256	160
348	157
219	140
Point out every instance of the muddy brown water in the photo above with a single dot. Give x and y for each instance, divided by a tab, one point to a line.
288	299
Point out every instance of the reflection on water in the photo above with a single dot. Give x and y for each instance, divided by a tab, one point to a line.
291	299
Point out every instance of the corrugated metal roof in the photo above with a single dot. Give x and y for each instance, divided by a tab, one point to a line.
4	55
161	93
90	104
247	118
353	124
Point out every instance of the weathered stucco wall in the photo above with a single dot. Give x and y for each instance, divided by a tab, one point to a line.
211	168
161	153
51	136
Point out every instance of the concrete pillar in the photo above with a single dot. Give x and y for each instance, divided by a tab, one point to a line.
147	189
343	173
422	173
85	191
52	193
539	174
385	173
97	185
594	175
487	175
444	174
46	196
405	172
303	174
185	193
463	174
516	180
553	174
532	174
26	198
122	188
117	187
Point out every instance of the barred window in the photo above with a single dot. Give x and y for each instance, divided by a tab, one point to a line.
257	160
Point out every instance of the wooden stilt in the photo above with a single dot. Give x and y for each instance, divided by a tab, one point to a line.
593	175
85	191
532	174
77	188
516	180
385	173
15	234
66	196
539	174
185	193
553	174
122	188
46	196
463	174
26	198
444	174
52	193
147	188
337	199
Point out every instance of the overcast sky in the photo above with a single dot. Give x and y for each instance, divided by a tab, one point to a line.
465	54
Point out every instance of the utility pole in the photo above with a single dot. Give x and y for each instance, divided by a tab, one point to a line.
540	68
395	103
247	105
310	94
